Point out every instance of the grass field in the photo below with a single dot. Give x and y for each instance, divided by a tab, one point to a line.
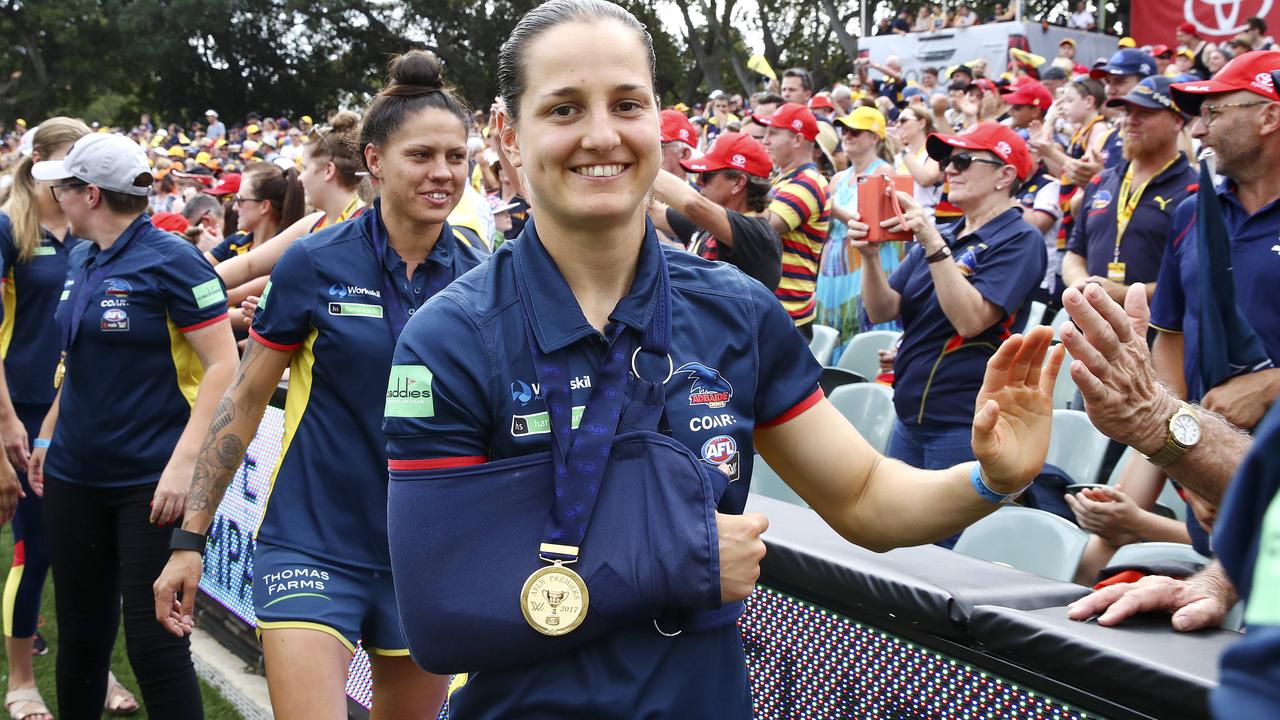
215	708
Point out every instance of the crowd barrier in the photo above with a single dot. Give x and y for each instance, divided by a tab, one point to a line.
835	631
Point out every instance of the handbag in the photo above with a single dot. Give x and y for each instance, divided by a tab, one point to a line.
648	543
878	201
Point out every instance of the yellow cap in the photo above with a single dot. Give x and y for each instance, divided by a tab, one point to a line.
203	157
1126	42
307	119
864	118
21	122
252	128
177	152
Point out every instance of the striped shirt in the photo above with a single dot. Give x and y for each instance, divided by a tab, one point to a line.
800	199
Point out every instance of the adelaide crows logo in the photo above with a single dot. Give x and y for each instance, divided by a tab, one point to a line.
709	387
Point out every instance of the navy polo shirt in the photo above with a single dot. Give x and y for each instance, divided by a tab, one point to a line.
1113	150
30	291
937	373
739	363
1244	538
231	246
131	376
1255	261
1093	236
325	304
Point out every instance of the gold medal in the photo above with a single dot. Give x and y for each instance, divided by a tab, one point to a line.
554	600
58	373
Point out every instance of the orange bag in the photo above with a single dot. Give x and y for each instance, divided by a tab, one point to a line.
878	201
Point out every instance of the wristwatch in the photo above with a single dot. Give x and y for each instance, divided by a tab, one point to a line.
186	540
1184	433
942	254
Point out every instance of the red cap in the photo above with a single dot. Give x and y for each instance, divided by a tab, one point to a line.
986	85
171	221
733	151
792	116
821	101
990	136
1031	93
228	184
1158	50
1248	71
677	128
1187	28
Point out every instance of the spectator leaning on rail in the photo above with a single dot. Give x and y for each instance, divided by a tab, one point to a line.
1119	234
733	189
958	291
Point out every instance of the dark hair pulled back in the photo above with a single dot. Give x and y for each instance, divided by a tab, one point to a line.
512	74
281	187
414	83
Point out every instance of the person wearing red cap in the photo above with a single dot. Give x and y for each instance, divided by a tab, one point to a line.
679	139
799	211
733	189
958	291
1200	49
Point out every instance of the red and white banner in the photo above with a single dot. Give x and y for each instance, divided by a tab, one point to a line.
1153	21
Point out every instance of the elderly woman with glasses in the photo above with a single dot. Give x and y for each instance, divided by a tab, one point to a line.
958	291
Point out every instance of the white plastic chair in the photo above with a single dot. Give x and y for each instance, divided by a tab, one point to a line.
1153	552
766	482
1076	446
1027	539
863	353
823	343
1064	388
1060	317
869	408
1035	316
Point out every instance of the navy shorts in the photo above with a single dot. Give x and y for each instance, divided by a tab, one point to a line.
293	589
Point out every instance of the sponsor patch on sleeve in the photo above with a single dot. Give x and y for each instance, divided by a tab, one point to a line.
208	293
262	299
409	392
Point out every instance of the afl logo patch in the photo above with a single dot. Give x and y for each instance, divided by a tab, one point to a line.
721	452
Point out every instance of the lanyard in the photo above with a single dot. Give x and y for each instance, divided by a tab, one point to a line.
343	216
579	458
1127	200
82	293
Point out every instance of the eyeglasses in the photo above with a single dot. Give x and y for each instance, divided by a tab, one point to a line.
58	189
238	199
962	161
1209	112
903	119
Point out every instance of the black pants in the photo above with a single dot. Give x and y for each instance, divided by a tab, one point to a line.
103	550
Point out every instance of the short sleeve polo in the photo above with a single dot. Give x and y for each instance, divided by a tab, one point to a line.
29	292
231	246
938	372
800	199
131	375
327	303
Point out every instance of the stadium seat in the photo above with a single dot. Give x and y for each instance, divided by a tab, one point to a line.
1035	316
834	377
863	353
764	481
869	408
1060	317
1064	388
823	343
1154	552
1076	446
1031	540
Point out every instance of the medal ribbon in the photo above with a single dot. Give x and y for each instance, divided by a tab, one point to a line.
579	458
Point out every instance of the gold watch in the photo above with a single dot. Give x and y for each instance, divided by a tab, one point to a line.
1184	433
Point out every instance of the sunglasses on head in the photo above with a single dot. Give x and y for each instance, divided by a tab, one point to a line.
963	161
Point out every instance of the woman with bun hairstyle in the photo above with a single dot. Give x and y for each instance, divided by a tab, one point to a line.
335	305
570	305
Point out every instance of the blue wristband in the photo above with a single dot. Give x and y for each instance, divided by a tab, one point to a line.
41	443
984	490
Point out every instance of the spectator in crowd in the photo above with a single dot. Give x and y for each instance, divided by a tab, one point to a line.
937	17
901	24
1119	236
1183	60
799	211
1124	399
216	130
1054	79
957	292
1200	49
965	17
1066	58
842	99
679	140
923	21
1082	18
166	198
269	200
414	142
106	459
1120	75
720	118
912	129
1039	194
1256	31
1215	59
1163	55
839	277
1239	120
733	190
797	86
204	221
892	84
929	82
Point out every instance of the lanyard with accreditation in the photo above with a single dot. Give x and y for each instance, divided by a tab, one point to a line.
1126	203
544	552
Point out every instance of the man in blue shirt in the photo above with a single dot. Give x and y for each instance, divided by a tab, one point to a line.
1240	120
1121	74
1119	233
